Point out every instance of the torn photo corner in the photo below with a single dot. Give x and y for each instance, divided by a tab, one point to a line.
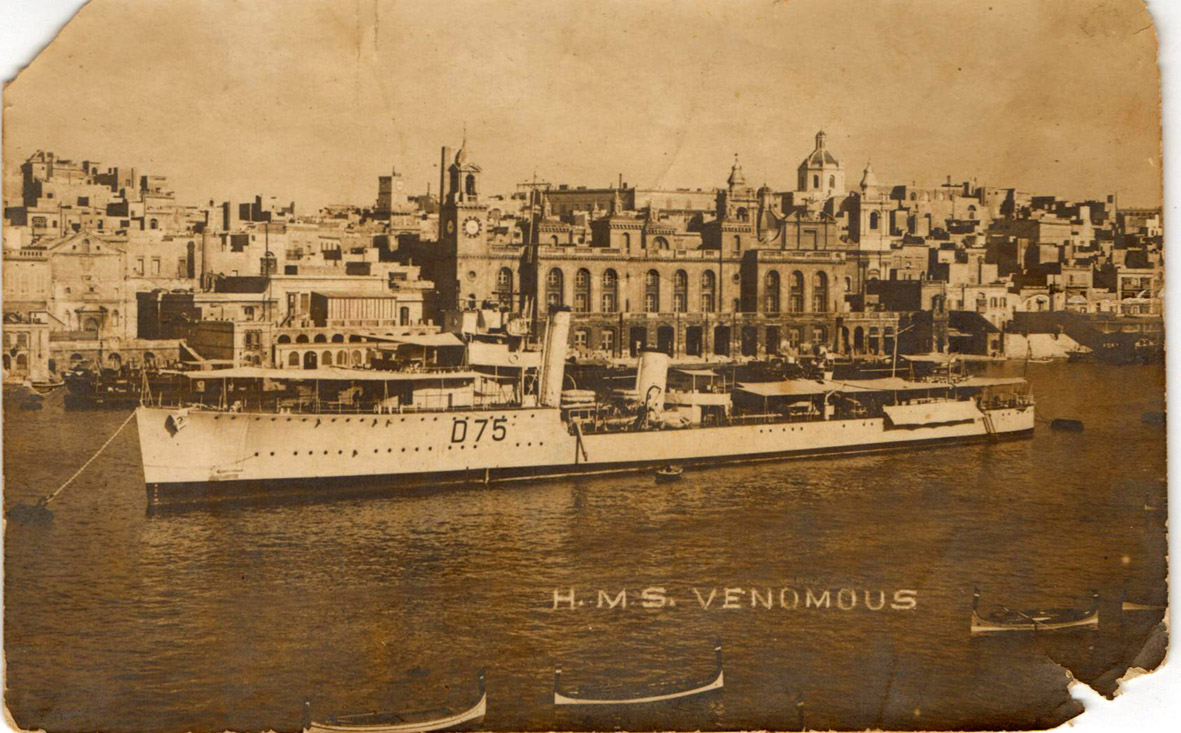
375	367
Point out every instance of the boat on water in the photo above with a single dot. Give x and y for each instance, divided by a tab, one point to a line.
652	694
255	432
420	721
1000	619
669	473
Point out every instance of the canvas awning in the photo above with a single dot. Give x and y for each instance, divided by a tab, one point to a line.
697	372
791	388
931	413
330	374
425	339
980	382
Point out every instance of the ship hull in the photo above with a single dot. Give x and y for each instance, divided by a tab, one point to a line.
207	456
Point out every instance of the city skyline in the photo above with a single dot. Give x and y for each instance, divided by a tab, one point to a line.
584	102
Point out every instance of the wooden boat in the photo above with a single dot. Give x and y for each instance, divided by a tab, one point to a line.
669	473
1002	619
1128	606
650	695
419	721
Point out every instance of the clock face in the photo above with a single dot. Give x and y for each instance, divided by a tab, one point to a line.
471	226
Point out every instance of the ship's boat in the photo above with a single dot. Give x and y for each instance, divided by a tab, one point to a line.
1001	618
652	694
419	721
669	473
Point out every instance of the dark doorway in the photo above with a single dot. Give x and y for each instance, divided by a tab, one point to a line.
665	335
722	340
637	339
693	341
772	340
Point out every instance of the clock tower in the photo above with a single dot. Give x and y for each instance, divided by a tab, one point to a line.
463	217
463	234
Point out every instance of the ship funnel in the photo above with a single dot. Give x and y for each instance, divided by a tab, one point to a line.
652	372
553	357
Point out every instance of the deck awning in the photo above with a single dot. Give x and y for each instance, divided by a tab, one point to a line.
891	384
791	388
425	339
331	374
931	413
808	387
981	382
696	372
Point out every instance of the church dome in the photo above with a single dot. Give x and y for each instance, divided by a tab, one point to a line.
820	157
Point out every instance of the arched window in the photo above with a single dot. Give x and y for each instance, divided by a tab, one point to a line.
815	181
153	224
875	220
848	284
736	244
741	213
554	240
293	359
627	240
660	243
326	358
652	291
832	181
795	297
283	339
320	339
470	188
820	292
680	291
338	338
404	316
771	292
504	288
610	299
709	283
554	285
582	291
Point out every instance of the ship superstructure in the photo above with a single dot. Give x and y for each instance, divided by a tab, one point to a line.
270	432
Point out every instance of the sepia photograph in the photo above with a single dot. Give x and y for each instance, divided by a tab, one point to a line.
393	367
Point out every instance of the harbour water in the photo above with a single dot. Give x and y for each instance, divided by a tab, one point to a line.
227	617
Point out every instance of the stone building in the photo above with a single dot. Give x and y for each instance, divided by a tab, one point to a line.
761	273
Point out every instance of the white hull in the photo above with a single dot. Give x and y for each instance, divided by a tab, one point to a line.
718	683
473	715
216	454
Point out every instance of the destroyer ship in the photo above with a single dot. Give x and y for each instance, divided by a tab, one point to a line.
255	432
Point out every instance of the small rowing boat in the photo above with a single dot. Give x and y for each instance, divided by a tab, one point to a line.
668	473
646	697
1002	618
408	722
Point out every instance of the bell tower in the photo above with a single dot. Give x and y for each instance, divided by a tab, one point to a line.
463	215
468	276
